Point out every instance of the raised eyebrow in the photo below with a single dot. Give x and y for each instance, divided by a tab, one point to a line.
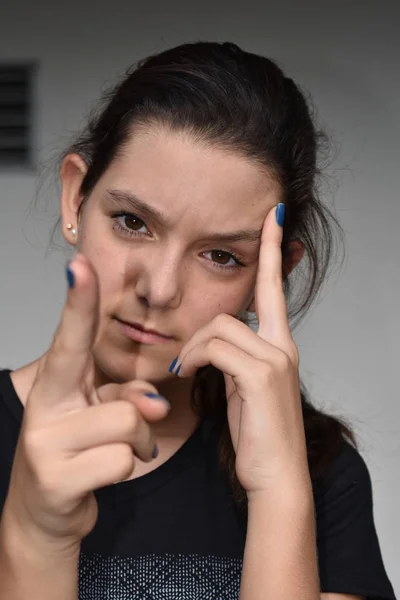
135	204
246	235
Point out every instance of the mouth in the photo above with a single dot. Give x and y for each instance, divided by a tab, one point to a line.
138	333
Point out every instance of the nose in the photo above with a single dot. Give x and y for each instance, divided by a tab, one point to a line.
159	282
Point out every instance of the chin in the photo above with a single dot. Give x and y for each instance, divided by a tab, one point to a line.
112	365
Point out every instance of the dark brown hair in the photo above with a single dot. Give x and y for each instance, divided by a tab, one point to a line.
225	96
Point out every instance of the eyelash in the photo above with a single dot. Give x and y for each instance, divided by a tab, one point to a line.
130	232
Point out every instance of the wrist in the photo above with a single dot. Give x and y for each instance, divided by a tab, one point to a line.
32	567
283	493
24	543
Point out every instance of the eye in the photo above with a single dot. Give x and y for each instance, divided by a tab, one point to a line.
129	224
223	259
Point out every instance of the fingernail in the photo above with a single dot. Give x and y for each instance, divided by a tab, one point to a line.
178	369
158	397
172	367
155	451
70	275
280	214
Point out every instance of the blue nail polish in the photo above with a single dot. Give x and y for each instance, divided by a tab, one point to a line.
172	367
157	397
155	451
178	369
70	276
280	214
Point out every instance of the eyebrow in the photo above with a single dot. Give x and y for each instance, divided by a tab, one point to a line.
135	204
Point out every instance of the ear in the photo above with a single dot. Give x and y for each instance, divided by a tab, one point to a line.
294	256
72	173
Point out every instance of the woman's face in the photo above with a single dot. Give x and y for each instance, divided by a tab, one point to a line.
155	229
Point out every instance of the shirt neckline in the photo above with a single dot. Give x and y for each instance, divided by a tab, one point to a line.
118	492
190	450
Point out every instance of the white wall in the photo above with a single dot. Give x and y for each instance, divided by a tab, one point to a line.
346	54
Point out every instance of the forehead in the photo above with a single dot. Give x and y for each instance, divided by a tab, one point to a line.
192	181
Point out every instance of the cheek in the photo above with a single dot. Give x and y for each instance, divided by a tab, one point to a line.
229	298
108	267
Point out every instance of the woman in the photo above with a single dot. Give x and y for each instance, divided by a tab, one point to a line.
162	448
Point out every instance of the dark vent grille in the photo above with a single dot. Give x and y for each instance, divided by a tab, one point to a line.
15	115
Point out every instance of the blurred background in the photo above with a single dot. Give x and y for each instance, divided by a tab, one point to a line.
346	55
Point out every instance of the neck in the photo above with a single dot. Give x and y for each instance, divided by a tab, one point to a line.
182	419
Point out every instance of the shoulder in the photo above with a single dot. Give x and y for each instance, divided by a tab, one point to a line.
11	408
348	470
349	554
343	496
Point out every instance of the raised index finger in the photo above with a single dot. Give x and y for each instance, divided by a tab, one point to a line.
270	299
67	360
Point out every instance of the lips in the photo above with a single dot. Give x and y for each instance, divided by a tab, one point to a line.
141	328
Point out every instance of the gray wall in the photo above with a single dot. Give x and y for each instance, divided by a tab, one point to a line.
346	54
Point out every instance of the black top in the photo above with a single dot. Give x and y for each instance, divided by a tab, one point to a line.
175	533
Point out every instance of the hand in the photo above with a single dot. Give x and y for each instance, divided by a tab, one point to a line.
75	438
261	378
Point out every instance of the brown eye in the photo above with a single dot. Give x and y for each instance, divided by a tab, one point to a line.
133	222
221	257
129	225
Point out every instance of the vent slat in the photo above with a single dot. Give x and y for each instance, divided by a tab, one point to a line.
13	130
13	141
14	157
15	119
13	97
13	74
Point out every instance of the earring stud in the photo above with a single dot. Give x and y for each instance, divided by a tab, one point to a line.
71	228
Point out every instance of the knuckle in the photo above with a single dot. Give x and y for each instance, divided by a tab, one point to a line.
139	386
266	373
294	353
47	478
221	321
272	371
57	357
213	345
55	362
283	363
36	455
34	444
124	458
128	415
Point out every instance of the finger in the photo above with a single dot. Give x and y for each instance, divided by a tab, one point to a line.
117	422
229	329
226	357
99	467
270	299
152	408
67	359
